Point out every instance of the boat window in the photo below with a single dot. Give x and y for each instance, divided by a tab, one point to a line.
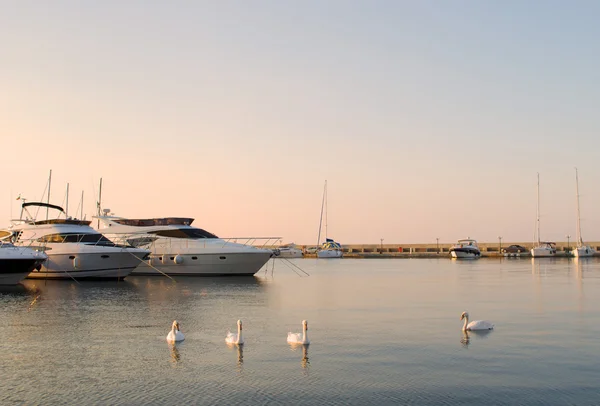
97	239
185	233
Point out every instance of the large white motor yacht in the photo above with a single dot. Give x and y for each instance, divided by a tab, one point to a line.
74	249
17	262
465	249
177	248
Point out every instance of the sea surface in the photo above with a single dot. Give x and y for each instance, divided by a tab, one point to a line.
382	331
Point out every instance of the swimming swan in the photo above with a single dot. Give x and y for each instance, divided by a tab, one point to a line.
175	335
297	338
476	324
233	338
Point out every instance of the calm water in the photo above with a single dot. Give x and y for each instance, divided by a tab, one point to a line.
382	332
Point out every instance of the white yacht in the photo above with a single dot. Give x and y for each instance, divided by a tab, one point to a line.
74	249
330	249
290	250
581	250
465	249
542	248
177	248
17	262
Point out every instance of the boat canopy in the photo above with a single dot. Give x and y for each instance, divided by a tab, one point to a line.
330	244
164	221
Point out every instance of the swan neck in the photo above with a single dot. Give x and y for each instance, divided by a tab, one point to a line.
239	335
304	335
466	322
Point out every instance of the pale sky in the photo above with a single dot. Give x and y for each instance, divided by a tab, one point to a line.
427	118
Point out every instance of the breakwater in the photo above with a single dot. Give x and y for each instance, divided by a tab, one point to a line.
429	250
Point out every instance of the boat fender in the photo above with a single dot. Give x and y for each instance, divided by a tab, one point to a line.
76	262
178	259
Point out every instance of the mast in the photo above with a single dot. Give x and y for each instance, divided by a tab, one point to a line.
326	234
81	215
538	209
67	203
579	238
321	218
99	202
49	184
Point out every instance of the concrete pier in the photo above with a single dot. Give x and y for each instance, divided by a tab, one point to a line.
494	249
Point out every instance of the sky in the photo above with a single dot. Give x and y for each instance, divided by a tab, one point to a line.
428	119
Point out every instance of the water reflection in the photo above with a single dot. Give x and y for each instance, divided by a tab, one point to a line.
175	356
304	362
465	339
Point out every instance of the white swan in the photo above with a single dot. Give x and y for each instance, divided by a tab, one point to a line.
475	324
175	335
299	338
233	338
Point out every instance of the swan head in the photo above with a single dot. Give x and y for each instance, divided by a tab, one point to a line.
176	325
464	315
304	325
239	323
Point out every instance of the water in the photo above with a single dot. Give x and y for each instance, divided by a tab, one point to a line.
382	332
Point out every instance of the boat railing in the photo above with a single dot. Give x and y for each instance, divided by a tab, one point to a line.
149	241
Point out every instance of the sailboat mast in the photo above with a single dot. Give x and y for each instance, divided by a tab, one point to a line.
321	218
538	209
579	238
326	234
81	215
67	203
99	201
49	184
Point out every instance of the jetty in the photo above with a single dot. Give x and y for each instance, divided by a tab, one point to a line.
433	250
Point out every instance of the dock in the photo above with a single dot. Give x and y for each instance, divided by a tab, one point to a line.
433	250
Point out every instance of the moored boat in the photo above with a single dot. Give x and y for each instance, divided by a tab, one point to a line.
465	249
74	249
17	262
177	248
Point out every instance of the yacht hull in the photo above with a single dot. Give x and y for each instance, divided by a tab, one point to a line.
295	253
465	254
330	254
103	263
205	264
542	253
585	251
13	271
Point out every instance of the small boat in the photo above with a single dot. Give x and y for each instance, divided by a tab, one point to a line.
330	248
581	250
465	249
17	262
290	250
543	248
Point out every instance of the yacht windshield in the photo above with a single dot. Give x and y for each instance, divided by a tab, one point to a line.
96	239
193	233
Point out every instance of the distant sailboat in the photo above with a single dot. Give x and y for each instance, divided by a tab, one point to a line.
581	250
330	248
543	248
